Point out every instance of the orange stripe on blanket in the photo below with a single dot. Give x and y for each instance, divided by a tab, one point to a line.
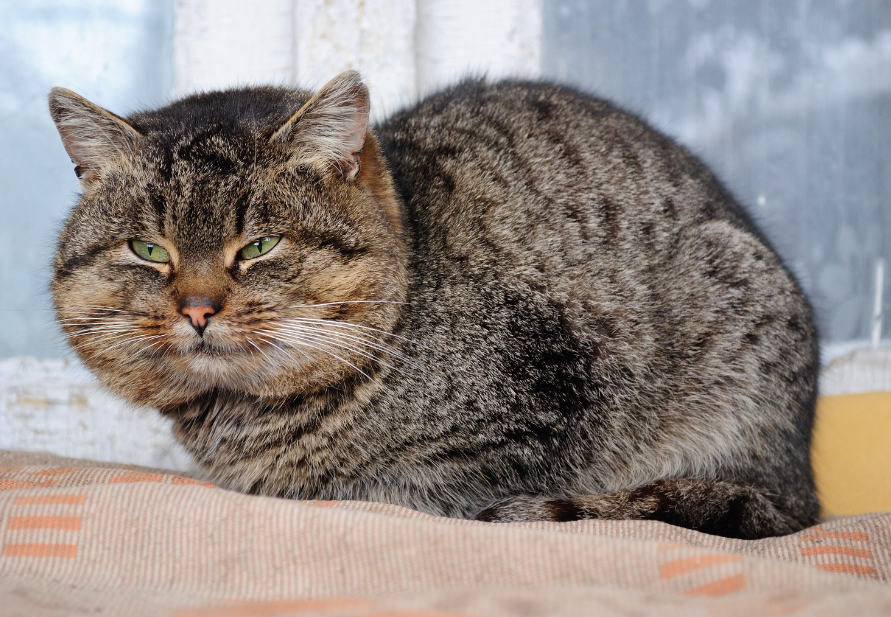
846	568
671	547
274	608
408	612
135	476
55	471
278	607
323	503
191	481
858	536
66	551
808	551
49	500
142	476
721	587
71	523
689	564
18	485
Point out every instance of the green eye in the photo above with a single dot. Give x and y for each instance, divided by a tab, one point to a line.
149	251
258	247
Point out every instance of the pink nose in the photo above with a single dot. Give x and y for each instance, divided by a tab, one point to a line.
199	309
198	314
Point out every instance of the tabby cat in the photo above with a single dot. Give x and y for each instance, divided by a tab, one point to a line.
509	302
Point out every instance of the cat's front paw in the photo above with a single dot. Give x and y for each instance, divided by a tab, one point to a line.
529	509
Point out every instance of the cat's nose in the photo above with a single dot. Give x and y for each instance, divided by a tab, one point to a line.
199	310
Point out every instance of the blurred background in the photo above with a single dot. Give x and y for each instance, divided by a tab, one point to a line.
788	101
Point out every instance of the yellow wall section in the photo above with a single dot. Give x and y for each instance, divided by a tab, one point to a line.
852	453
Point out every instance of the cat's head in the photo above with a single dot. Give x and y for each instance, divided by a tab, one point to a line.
247	241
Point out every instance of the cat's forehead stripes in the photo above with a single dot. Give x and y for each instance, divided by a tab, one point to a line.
200	152
206	193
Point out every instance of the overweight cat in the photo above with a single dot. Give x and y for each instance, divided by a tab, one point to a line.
510	302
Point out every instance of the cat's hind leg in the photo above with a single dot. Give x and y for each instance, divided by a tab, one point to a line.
719	508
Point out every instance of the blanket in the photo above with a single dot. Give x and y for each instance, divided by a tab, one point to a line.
84	538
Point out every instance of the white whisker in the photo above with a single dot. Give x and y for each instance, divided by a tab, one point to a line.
344	302
318	345
348	324
359	339
340	345
131	341
258	348
317	335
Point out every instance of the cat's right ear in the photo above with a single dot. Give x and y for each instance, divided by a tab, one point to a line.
328	132
92	136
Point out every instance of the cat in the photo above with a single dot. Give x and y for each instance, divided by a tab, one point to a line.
509	302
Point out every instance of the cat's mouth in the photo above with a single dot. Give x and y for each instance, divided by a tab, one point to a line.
212	345
205	357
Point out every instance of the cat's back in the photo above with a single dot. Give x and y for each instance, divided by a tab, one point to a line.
539	196
540	181
542	205
546	149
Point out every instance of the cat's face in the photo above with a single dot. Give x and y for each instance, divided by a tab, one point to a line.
239	255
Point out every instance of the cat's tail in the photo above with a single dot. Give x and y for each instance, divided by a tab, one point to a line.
714	507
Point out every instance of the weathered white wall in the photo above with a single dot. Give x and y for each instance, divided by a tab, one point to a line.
403	48
219	43
496	38
861	370
59	407
375	38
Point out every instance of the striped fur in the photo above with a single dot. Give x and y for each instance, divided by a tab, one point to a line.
511	301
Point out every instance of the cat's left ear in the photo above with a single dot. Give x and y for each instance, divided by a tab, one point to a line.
328	132
93	137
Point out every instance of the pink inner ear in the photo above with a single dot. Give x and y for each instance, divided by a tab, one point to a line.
356	137
328	132
84	166
354	140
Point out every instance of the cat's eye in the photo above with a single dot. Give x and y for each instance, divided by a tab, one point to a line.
258	247
149	251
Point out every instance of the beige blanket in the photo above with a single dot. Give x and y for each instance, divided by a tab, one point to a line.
81	538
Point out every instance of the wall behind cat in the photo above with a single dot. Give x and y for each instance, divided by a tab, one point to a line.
403	48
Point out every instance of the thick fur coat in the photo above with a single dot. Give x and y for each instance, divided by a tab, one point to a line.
510	302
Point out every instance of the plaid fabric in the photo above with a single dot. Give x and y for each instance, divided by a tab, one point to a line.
82	538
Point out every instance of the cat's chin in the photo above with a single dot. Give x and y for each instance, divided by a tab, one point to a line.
179	377
273	375
209	368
